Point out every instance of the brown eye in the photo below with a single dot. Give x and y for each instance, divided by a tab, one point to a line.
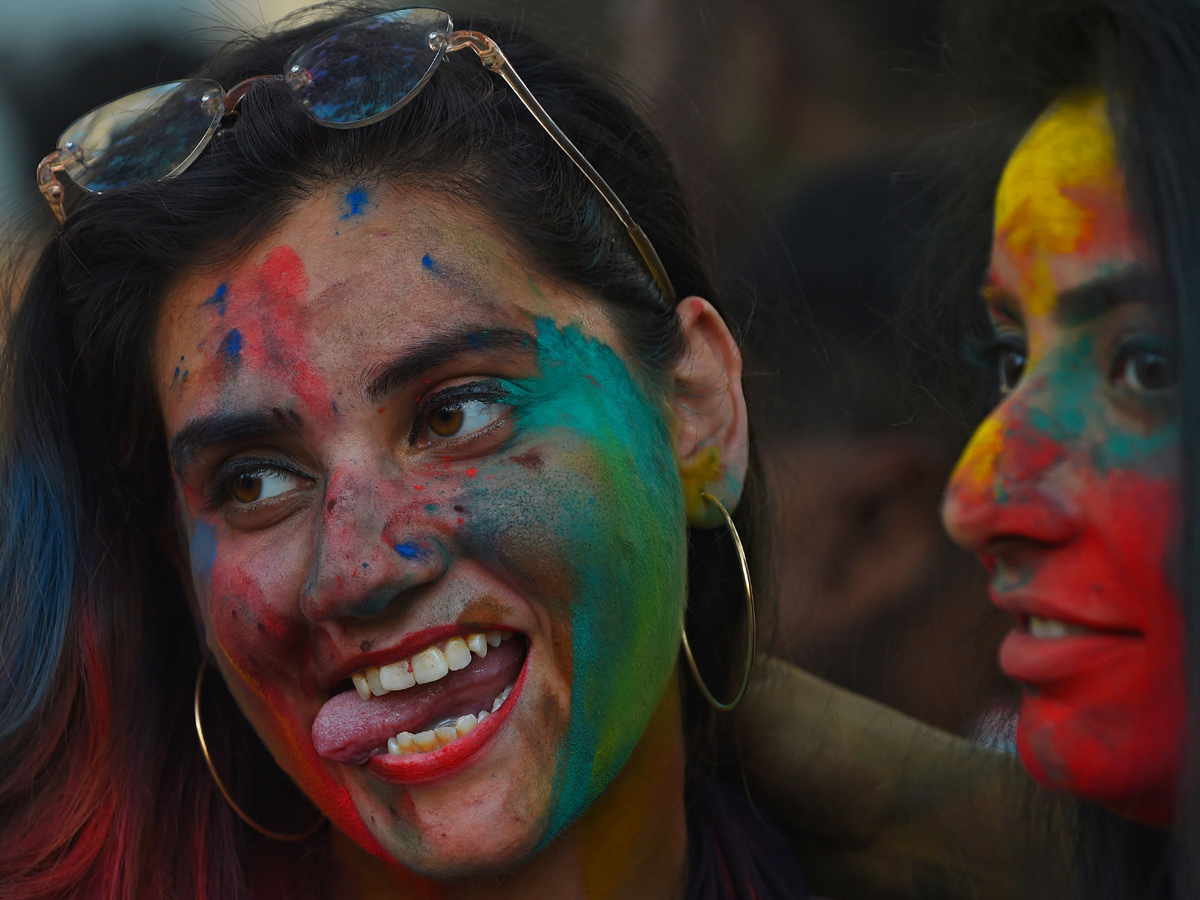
1145	371
246	488
253	485
1010	366
445	421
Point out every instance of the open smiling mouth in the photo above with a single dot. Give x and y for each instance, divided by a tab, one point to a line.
420	716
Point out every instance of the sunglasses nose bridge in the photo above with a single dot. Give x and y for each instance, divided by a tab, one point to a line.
234	95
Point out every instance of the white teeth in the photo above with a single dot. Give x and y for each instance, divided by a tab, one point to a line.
499	701
430	665
1048	628
397	676
444	732
360	685
425	741
458	654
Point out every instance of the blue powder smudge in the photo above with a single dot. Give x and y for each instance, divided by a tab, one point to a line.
217	299
356	202
408	550
203	554
429	263
231	346
478	340
176	380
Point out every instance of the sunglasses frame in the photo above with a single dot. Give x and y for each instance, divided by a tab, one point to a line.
492	59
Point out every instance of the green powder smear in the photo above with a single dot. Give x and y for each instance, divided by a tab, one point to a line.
622	515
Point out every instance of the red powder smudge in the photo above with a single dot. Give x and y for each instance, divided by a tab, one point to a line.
265	304
592	380
471	473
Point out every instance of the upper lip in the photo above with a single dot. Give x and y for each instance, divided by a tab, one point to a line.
1025	606
407	646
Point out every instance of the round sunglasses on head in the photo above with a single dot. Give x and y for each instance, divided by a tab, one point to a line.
350	76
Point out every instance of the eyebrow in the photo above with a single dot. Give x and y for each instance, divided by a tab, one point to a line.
440	349
1089	300
227	428
1096	297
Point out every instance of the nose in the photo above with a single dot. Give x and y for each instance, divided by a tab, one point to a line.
1008	483
377	543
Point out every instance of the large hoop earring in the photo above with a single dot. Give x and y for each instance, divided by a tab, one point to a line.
750	626
267	832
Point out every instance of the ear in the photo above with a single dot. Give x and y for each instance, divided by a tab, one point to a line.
711	438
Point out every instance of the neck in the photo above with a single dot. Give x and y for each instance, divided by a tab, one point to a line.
631	843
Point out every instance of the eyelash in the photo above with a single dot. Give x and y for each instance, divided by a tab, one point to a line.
220	492
987	353
457	395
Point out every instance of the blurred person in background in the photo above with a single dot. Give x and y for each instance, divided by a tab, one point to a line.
811	112
872	594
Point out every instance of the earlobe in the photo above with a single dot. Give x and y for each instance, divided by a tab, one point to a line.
710	410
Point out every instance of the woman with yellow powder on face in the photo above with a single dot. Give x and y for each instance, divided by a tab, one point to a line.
1078	490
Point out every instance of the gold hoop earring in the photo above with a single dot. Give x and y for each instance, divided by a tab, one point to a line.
274	835
750	626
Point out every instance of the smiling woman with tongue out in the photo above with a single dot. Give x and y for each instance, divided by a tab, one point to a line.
390	399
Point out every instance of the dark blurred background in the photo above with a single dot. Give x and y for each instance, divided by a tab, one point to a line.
808	134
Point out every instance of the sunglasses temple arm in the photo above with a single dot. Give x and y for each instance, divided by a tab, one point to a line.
495	61
49	185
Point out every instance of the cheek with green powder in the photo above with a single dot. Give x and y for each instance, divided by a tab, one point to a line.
587	514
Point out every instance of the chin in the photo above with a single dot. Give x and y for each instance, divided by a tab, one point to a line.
1108	756
460	831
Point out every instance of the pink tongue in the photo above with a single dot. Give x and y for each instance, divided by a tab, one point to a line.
349	729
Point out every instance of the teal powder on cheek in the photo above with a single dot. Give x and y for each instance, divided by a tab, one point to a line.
632	559
1075	413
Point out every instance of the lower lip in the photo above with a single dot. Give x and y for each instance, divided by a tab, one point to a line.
1024	657
414	768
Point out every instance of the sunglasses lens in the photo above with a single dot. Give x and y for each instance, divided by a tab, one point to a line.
364	70
141	137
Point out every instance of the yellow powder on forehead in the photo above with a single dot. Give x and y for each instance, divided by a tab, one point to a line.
1069	153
